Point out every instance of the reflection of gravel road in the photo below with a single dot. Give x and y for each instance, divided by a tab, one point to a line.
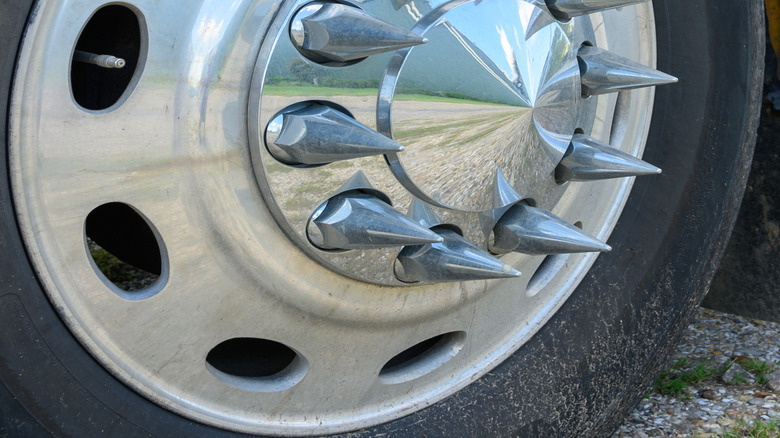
455	154
446	141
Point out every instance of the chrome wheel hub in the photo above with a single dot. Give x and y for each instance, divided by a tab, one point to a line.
513	103
335	199
467	121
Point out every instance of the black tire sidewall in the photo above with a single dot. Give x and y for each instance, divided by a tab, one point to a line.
584	369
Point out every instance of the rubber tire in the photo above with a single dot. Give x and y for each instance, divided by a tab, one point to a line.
582	372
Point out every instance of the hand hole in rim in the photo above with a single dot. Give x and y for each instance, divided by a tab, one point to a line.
125	248
422	358
255	364
116	31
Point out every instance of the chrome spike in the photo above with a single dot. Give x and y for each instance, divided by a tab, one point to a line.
589	159
604	72
539	20
359	181
454	259
531	230
503	192
333	32
421	213
357	220
504	197
319	134
566	9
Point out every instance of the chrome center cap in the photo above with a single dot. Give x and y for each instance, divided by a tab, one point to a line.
495	88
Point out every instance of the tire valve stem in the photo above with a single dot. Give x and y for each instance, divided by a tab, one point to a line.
105	61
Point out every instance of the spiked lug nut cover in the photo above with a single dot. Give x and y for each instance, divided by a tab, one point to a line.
281	141
589	159
479	132
566	9
355	220
531	230
603	72
453	259
335	32
313	134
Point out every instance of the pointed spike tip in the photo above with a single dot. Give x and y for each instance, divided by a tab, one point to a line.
318	134
355	220
603	72
591	160
531	230
455	259
422	213
567	9
333	32
503	192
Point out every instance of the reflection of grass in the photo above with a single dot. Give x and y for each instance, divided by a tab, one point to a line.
341	165
297	203
310	90
307	188
276	167
458	126
428	98
487	130
293	91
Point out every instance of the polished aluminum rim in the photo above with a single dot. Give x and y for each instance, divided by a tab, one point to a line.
332	182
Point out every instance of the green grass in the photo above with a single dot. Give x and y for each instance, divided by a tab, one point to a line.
683	373
758	368
675	379
123	275
758	429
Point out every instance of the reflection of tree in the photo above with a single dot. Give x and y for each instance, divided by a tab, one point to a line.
302	71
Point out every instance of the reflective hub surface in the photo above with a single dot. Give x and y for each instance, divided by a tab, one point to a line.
509	73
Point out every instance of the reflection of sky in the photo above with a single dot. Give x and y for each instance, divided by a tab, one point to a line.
497	29
486	63
510	14
206	36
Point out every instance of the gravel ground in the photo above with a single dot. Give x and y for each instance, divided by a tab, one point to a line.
723	380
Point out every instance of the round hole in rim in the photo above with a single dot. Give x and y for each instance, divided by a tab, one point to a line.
113	30
422	358
126	250
255	364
